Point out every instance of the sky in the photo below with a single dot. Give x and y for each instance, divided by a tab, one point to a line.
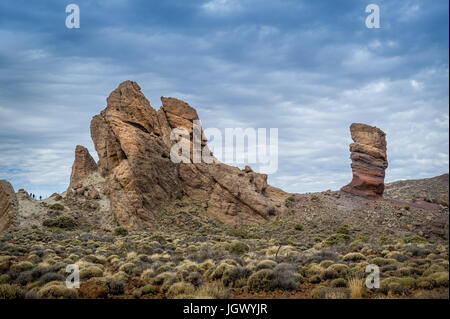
308	68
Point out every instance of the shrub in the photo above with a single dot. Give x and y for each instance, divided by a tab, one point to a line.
90	272
285	277
326	263
115	287
19	267
319	292
355	285
266	264
147	275
180	288
57	206
51	276
25	277
425	283
220	270
147	289
11	292
399	256
239	232
380	261
439	279
128	268
289	202
299	227
60	222
338	282
261	280
212	291
354	257
238	247
54	290
120	231
343	230
414	240
335	271
336	239
315	279
235	277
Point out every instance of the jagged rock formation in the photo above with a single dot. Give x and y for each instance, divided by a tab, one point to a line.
8	206
133	144
83	165
369	161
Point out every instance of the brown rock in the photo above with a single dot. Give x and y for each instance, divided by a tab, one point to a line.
134	156
369	161
133	144
83	165
8	206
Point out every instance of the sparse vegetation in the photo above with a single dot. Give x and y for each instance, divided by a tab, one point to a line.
57	206
64	222
120	231
192	256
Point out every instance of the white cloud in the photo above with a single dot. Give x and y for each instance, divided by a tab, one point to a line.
221	7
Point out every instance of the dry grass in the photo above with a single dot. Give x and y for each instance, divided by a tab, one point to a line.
355	285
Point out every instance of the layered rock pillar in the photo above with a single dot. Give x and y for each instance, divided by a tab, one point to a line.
369	161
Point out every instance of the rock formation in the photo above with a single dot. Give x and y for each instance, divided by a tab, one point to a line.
8	206
83	165
369	161
133	144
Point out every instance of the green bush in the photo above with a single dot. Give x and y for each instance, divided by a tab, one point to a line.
261	280
11	292
55	290
238	247
120	231
57	206
299	227
60	222
289	202
90	272
343	230
239	232
354	257
338	282
336	239
414	240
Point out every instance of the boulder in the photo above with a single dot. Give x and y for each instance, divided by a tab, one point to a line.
133	144
9	206
82	167
369	161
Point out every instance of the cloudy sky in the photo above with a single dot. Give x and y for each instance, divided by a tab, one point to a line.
308	68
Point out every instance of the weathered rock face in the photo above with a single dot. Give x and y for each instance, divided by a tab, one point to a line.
369	161
133	144
8	206
83	165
